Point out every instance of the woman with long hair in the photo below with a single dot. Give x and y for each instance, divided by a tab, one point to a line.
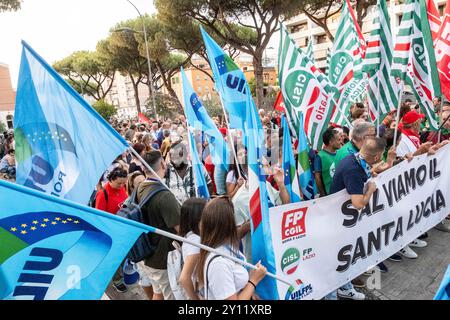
221	278
190	215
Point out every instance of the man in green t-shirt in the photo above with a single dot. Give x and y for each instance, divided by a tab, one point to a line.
360	131
324	162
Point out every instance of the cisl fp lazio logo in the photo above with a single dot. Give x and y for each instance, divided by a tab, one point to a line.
341	68
298	291
301	87
293	224
290	261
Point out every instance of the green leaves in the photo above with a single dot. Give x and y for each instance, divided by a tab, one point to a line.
105	109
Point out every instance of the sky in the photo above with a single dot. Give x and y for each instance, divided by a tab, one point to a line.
56	28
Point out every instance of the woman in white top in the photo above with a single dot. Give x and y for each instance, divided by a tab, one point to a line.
221	278
190	215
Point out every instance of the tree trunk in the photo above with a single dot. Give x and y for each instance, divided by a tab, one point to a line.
259	78
136	94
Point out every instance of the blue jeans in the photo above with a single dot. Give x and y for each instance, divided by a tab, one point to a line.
220	176
333	294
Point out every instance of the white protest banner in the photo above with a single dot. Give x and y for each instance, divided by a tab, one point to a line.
322	244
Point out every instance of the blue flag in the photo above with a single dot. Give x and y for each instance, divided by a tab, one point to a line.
62	144
199	119
443	292
305	173
199	177
229	80
259	205
54	249
290	173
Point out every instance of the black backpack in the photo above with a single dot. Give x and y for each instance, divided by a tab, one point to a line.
93	197
143	248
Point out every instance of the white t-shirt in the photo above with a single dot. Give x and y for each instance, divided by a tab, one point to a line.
241	215
405	146
225	277
188	249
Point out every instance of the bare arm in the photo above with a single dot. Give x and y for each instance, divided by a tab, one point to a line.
186	276
359	201
319	183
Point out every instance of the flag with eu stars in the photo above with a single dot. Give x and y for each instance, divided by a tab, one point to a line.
62	144
198	118
229	81
54	249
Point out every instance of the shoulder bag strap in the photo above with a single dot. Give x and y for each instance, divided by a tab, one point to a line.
157	189
206	275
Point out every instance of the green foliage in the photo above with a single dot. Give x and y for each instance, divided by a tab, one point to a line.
106	110
166	106
87	72
245	25
213	106
2	127
9	5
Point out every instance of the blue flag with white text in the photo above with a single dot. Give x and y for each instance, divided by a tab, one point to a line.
54	249
262	249
62	144
229	80
199	119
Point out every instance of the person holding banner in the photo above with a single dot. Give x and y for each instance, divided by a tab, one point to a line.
351	174
360	131
221	278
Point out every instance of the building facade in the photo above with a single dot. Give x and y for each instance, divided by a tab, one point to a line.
121	96
302	29
7	97
203	84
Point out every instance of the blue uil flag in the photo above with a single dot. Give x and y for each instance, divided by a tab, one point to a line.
54	249
230	81
199	119
62	144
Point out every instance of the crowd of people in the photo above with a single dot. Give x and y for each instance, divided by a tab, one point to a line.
350	157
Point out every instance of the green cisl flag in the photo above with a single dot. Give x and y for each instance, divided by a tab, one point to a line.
305	91
414	60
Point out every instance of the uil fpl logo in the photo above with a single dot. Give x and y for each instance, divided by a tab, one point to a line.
301	86
298	291
293	225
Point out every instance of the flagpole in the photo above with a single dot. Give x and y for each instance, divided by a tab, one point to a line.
212	250
397	117
193	150
439	129
230	138
439	118
137	155
378	104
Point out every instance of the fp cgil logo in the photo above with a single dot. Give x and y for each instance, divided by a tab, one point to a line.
293	224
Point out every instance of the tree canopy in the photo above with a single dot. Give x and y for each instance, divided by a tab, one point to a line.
245	25
88	72
9	5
